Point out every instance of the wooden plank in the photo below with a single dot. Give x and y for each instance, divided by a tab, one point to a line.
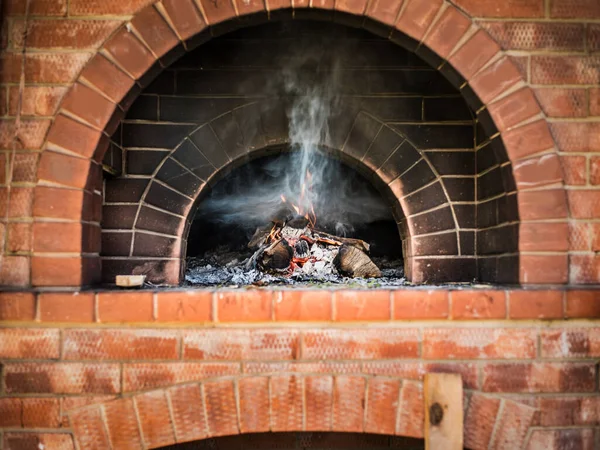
443	394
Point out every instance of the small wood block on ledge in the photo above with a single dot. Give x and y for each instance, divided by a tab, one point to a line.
443	396
130	280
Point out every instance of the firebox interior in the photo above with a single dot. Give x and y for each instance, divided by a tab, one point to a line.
389	109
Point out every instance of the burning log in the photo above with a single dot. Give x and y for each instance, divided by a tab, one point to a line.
326	237
353	262
277	256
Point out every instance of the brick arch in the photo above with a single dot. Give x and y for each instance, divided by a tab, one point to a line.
69	169
288	402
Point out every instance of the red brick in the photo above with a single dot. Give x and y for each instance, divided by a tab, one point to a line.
238	344
595	101
63	271
189	419
27	440
89	106
588	9
348	403
66	307
21	202
562	102
17	306
384	11
130	53
583	304
89	429
155	31
545	204
125	307
584	236
101	345
584	269
144	376
478	304
594	170
15	271
417	16
514	109
19	237
512	425
584	204
58	237
26	343
221	409
31	133
382	406
41	412
52	202
187	306
36	101
570	343
122	424
108	7
508	8
244	306
527	140
185	17
562	439
51	68
252	6
155	420
361	305
62	378
286	403
548	237
318	401
447	31
480	420
63	169
411	412
575	169
38	8
11	412
479	343
254	404
420	304
536	36
107	77
217	12
593	37
351	6
539	377
568	411
496	79
577	137
537	171
326	367
474	53
303	305
535	304
546	69
369	343
62	33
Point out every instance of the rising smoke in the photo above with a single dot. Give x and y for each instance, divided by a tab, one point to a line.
310	81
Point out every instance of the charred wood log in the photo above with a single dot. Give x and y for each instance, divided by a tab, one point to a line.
353	262
298	222
259	237
277	256
358	243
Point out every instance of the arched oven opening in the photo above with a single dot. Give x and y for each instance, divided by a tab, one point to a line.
346	132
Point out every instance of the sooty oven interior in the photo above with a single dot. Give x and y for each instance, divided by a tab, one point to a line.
308	152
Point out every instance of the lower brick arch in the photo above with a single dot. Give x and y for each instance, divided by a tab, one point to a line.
160	33
289	402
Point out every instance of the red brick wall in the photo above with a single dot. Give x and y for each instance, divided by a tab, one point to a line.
177	366
553	46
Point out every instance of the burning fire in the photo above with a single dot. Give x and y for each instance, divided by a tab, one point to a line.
305	206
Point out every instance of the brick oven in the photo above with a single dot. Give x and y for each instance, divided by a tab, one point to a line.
463	141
